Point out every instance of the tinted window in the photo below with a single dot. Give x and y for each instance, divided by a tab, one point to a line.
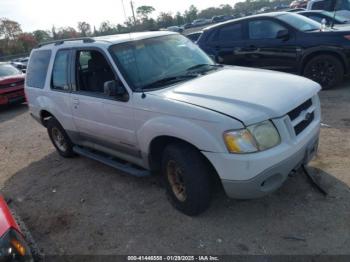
264	29
60	71
316	18
229	33
37	68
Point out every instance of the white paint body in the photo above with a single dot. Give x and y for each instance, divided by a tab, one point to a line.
198	111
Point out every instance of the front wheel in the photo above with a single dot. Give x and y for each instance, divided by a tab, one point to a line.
59	138
326	70
187	179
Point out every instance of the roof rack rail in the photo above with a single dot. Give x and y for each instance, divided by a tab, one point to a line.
61	41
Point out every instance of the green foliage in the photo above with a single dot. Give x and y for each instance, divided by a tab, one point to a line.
14	41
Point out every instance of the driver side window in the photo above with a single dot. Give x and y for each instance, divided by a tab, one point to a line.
92	72
264	29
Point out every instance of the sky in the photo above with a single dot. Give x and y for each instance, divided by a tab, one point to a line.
43	14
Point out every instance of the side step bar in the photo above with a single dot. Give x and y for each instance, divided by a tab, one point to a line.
110	161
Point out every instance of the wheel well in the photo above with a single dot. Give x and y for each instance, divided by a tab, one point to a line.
45	116
334	54
157	147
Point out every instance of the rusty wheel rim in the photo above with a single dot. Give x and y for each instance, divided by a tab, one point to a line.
58	139
176	180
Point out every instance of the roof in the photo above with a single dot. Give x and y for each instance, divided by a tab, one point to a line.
271	14
108	40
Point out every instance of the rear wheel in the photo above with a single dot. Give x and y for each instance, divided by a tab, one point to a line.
187	179
326	70
59	138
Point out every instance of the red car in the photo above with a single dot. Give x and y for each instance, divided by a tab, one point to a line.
11	85
12	244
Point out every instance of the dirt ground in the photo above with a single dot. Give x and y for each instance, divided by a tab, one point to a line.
79	206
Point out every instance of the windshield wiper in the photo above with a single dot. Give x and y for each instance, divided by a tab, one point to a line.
168	80
203	65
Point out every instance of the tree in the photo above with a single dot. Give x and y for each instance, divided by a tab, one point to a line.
9	29
144	11
106	28
84	29
191	14
165	20
67	32
179	19
41	36
27	41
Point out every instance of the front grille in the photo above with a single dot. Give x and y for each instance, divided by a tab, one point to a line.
304	124
302	116
13	84
296	112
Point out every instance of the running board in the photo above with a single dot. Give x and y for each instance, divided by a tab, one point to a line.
111	161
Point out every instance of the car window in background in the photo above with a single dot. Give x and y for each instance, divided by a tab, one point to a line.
300	22
320	5
316	18
37	68
60	71
264	29
229	33
337	17
8	70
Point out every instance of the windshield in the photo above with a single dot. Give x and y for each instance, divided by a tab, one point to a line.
337	17
155	59
300	22
8	70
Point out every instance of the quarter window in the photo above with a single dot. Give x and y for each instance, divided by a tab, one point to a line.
37	68
60	71
264	29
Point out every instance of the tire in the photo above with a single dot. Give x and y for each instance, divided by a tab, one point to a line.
326	70
187	179
59	138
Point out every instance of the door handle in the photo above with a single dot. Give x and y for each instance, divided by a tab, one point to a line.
75	102
250	48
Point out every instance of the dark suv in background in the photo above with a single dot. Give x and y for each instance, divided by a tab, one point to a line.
281	41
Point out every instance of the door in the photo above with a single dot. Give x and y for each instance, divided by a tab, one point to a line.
101	119
227	42
271	45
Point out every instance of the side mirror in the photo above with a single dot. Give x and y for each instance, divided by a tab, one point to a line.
283	34
113	88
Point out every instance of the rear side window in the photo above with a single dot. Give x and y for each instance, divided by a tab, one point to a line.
37	68
60	71
264	29
229	33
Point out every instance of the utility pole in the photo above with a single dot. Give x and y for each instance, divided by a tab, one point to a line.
133	12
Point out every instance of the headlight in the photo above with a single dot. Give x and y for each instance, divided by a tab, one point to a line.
14	248
254	138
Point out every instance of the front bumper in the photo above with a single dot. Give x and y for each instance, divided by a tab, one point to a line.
12	97
255	175
273	177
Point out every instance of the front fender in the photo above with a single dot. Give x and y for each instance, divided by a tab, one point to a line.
184	129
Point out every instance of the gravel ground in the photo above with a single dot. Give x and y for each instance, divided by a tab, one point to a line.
79	206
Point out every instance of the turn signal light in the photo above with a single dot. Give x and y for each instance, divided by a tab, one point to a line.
347	37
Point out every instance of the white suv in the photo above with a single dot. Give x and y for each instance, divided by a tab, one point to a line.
154	101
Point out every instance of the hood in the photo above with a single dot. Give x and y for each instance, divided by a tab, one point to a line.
249	95
11	79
